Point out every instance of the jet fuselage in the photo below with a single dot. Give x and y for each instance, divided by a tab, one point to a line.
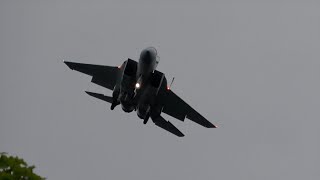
135	90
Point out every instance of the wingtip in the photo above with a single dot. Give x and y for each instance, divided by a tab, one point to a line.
69	64
212	126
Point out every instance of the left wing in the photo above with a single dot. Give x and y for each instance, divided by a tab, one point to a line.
105	76
174	106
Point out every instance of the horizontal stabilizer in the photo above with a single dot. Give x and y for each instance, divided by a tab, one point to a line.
161	122
100	96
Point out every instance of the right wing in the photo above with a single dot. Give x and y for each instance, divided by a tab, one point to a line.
174	106
105	76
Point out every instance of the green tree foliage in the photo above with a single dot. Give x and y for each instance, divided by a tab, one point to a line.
14	168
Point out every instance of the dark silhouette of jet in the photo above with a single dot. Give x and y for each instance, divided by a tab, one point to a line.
139	86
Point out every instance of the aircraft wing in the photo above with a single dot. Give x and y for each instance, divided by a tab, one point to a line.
174	106
105	76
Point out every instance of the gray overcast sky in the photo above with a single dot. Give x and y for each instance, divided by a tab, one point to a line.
250	67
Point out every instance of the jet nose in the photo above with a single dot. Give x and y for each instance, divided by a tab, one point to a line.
148	53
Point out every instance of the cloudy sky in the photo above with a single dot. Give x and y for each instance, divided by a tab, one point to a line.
251	67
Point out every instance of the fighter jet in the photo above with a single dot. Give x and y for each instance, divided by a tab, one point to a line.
138	86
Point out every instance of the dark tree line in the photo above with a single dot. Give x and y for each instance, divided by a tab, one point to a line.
15	168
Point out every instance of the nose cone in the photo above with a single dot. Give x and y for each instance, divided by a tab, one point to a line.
148	54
